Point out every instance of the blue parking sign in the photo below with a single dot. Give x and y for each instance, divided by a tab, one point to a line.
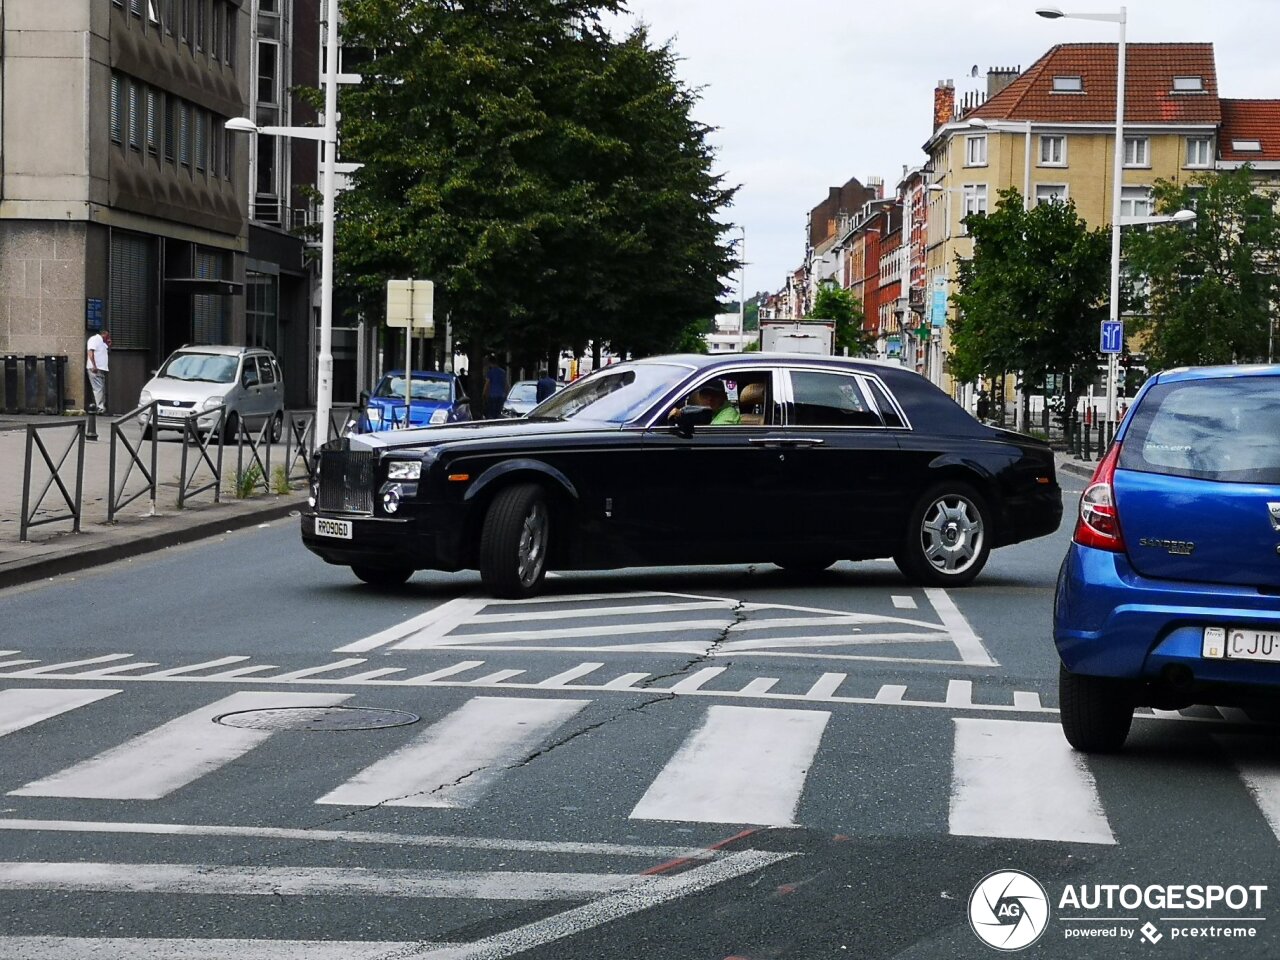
1112	337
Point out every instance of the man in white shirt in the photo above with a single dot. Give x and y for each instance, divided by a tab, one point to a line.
96	363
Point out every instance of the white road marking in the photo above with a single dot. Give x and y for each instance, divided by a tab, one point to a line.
760	685
493	679
967	642
136	948
425	642
298	881
449	671
959	693
568	676
625	682
826	685
501	844
312	671
26	706
597	612
111	671
435	622
1021	780
743	765
457	760
63	667
239	672
696	680
372	674
1026	700
891	693
193	668
904	603
1259	772
172	755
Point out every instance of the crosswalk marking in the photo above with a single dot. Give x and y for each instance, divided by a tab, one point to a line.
61	667
1020	779
435	622
826	685
959	693
760	685
172	755
324	668
891	693
625	682
573	673
196	667
457	760
23	707
496	677
111	671
696	679
904	603
1259	773
440	674
743	765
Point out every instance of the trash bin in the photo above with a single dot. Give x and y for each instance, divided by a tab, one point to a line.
30	385
54	368
10	383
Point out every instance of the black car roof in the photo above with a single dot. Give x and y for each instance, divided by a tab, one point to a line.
701	361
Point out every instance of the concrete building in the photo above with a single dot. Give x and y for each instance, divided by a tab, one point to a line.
122	200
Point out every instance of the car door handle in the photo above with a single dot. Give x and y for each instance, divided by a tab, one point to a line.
766	441
798	442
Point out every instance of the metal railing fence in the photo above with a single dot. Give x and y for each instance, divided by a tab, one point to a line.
116	501
73	503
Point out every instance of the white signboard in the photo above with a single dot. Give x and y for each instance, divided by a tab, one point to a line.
412	302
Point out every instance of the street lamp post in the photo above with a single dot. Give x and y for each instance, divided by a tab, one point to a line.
1121	19
742	283
327	135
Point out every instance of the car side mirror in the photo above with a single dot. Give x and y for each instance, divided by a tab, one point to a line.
686	418
364	398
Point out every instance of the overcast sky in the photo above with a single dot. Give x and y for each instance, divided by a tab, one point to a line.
807	93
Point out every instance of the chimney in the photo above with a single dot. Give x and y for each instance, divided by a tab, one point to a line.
1000	77
944	103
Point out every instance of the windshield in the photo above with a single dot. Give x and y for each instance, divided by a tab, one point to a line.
614	394
523	391
211	367
392	388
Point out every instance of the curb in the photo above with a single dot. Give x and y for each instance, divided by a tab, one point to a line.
73	561
1077	469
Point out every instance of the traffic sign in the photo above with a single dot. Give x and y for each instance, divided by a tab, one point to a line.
1112	337
411	301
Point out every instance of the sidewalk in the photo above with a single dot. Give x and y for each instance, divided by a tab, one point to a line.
54	549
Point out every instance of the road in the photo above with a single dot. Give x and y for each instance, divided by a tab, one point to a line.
701	763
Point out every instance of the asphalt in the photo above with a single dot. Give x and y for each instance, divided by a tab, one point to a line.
141	527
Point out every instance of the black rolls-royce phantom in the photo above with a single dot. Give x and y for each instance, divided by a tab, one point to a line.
798	461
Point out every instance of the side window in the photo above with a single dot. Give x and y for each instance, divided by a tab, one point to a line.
275	367
265	373
830	400
738	397
887	410
249	377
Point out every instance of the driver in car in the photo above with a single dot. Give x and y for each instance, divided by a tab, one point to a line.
714	395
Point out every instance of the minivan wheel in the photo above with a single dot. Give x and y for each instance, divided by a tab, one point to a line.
277	427
1096	712
948	537
231	427
514	541
383	576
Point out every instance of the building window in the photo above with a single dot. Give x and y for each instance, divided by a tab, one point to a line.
1135	202
975	199
169	141
216	133
215	44
268	72
1198	151
201	121
1247	146
1188	85
117	127
135	7
229	55
1053	151
153	11
1136	152
1051	193
975	151
151	121
1068	85
184	134
201	19
186	21
170	15
229	156
135	115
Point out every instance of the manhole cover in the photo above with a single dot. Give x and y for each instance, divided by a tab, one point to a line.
316	718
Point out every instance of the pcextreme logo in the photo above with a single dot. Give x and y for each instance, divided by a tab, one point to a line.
1008	910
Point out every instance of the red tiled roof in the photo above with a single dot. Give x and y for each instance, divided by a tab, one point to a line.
1250	120
1149	97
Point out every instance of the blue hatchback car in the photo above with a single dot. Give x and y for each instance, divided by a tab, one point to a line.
1170	592
435	397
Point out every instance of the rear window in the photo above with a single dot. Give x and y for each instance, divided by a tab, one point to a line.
1223	429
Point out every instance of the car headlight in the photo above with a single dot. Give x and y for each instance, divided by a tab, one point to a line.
211	403
404	470
144	398
391	498
439	416
374	414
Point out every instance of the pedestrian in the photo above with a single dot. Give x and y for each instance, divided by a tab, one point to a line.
546	385
96	362
495	389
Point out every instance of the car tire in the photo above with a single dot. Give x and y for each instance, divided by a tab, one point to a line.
383	576
277	426
231	427
948	537
514	542
1096	712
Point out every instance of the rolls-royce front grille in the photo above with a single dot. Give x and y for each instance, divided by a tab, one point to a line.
346	481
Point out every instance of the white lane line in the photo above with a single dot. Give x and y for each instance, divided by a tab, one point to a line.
296	881
136	948
891	693
759	685
743	765
574	673
61	667
208	664
501	844
432	641
111	671
624	682
436	622
172	755
695	680
830	640
326	668
23	707
15	663
1021	780
572	922
959	693
967	642
572	598
372	674
596	612
240	672
905	603
440	674
492	679
1026	700
1254	760
826	685
455	761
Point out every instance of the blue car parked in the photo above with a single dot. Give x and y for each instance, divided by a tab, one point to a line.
435	398
1170	592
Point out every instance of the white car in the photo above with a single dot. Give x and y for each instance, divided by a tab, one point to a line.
198	380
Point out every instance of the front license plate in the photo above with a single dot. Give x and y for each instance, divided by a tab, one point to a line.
333	528
175	413
1242	644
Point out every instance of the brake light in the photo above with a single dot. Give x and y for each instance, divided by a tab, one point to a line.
1099	523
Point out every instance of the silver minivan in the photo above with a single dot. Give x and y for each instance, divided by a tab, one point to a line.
197	380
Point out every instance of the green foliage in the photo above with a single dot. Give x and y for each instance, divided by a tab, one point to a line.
247	481
833	302
280	480
1213	284
549	178
1032	297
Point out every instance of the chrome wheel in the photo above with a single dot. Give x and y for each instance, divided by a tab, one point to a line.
532	549
952	534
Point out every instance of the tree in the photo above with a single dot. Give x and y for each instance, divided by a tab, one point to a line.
833	302
1210	288
548	178
1033	295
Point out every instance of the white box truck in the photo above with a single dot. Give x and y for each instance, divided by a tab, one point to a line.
814	337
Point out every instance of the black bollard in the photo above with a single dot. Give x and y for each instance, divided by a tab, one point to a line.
10	383
30	386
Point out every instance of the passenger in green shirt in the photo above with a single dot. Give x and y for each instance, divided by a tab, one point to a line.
714	395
